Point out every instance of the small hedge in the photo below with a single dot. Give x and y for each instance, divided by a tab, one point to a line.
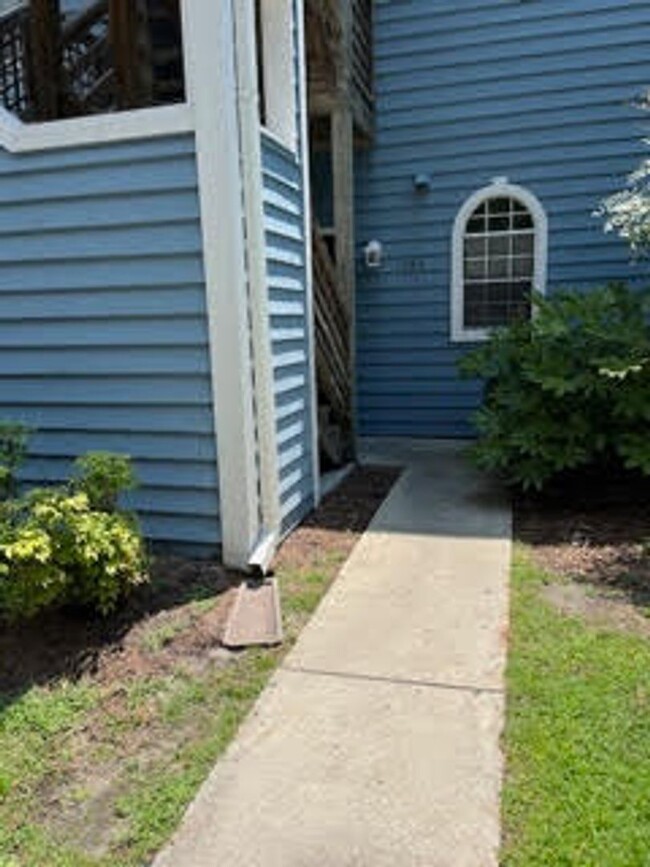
568	389
71	544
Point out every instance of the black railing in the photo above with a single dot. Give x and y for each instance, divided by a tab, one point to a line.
88	68
14	68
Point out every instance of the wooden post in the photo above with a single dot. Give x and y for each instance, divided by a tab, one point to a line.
123	28
45	68
342	138
343	187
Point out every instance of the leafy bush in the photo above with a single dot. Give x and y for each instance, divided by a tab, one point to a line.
70	545
567	389
103	476
13	448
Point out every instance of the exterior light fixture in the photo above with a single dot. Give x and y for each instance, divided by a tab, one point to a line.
374	253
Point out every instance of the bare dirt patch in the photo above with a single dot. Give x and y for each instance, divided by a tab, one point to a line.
594	605
594	532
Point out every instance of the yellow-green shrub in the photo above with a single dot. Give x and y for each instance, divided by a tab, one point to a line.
58	546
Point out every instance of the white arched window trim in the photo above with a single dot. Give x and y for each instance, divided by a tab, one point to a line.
459	333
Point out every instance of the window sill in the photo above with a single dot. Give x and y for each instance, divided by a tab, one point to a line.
474	335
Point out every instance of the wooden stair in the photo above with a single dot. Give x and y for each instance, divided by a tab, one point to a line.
333	358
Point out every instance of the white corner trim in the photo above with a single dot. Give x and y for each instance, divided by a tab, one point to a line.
499	187
118	126
211	82
260	315
307	218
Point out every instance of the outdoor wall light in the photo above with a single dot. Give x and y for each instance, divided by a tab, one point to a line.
374	253
422	183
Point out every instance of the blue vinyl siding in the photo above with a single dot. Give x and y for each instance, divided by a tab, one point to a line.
539	92
103	334
283	208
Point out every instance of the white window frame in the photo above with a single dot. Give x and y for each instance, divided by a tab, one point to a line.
497	189
279	72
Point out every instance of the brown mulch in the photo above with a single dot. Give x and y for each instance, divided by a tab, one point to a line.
72	643
594	531
341	518
177	620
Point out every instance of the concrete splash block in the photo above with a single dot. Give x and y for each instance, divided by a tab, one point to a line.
255	618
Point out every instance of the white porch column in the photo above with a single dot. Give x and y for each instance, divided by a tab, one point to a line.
211	83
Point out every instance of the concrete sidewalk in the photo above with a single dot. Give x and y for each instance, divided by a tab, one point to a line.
377	743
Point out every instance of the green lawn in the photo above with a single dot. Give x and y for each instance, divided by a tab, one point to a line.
577	738
61	743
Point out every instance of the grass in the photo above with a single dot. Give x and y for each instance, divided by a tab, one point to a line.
577	738
62	743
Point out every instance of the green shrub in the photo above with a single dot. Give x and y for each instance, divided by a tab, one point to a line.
13	449
55	549
567	389
103	476
71	545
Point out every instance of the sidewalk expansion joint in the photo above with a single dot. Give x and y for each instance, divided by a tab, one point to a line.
396	681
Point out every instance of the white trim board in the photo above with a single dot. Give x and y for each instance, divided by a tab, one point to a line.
278	70
118	126
210	56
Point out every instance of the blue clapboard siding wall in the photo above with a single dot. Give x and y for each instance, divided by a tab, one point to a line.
539	92
285	234
103	335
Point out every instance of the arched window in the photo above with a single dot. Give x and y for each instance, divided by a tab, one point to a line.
499	251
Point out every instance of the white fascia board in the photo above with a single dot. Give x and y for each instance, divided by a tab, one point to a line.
141	124
211	83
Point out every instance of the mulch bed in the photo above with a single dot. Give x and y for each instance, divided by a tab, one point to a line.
70	644
341	519
594	529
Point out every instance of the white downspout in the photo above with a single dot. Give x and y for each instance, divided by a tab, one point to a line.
251	169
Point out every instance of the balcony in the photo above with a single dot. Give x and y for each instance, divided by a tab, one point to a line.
69	58
339	59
